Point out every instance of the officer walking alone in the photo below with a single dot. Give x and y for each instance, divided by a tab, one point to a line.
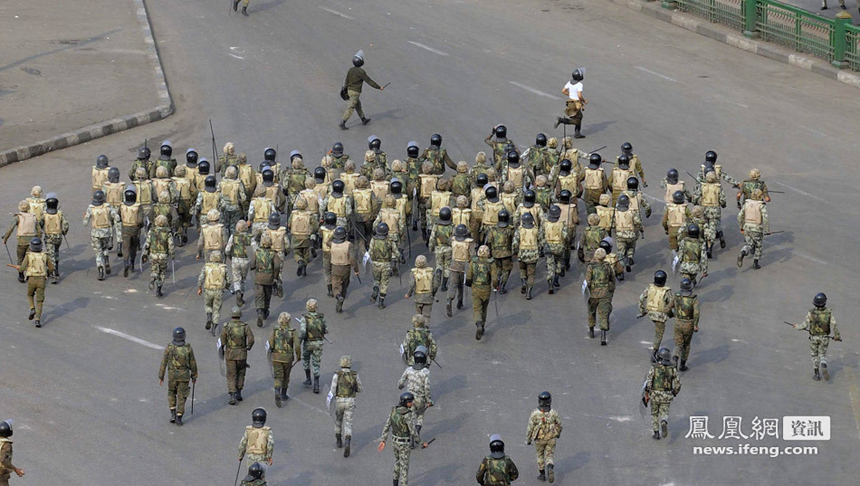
355	78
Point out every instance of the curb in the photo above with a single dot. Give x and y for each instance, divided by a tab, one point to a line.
164	109
726	36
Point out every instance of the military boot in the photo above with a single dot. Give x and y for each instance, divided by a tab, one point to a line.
284	396
343	125
683	366
101	277
815	375
260	318
240	299
338	441
551	287
664	428
346	448
316	384
381	303
235	5
755	264
558	121
448	311
541	475
38	323
172	415
179	420
444	284
529	293
824	372
208	321
741	257
244	10
328	287
549	473
709	250
562	271
126	270
414	225
232	399
577	131
304	270
591	332
365	121
278	397
239	394
555	281
602	338
338	307
32	314
107	264
374	294
21	277
479	333
119	251
523	288
158	292
151	280
656	435
722	240
299	271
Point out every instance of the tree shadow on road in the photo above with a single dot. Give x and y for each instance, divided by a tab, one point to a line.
722	294
597	127
266	6
495	326
713	355
451	384
441	474
571	463
64	309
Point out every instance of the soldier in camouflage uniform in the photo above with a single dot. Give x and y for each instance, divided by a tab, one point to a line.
213	236
819	322
100	172
570	215
554	233
162	182
692	255
294	178
369	164
259	210
618	177
396	222
712	165
461	184
638	202
233	197
423	283
132	223
600	278
497	469
258	443
6	466
627	226
750	185
141	162
440	243
113	190
384	256
179	362
236	340
367	205
754	224
312	334
56	226
416	379
280	247
158	249
36	267
284	346
479	276
239	250
661	386
489	207
380	159
266	265
712	198
208	198
437	156
164	208
499	239
543	194
165	158
419	335
657	302
635	163
594	182
146	195
534	157
697	217
255	470
104	218
612	258
403	434
227	158
544	429
499	145
339	203
211	284
462	249
606	211
674	217
564	178
345	385
686	321
248	176
428	183
672	184
591	238
326	233
186	193
479	167
303	228
512	200
526	244
342	259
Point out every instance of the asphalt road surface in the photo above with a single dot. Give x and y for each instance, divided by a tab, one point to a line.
87	404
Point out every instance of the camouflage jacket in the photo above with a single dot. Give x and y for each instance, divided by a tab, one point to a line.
159	241
420	336
687	308
284	344
440	235
497	472
417	382
400	423
600	277
527	255
479	271
439	158
313	327
266	264
461	185
500	241
663	378
543	425
180	362
383	250
237	339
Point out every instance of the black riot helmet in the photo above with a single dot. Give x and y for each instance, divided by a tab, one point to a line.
191	157
179	336
504	218
268	177
606	244
624	161
203	167
330	219
406	398
412	150
554	213
678	197
577	75
264	165
660	278
373	142
672	176
626	148
566	166
420	358
529	198
623	202
337	187
436	140
396	187
686	285
358	59
820	300
270	154
339	235
319	174
274	220
101	162
445	216
497	447
482	180
130	195
258	417
693	231
632	183
509	147
382	230
710	157
501	132
113	174
665	356
337	149
143	153
98	198
460	232
51	203
36	245
540	140
6	429
565	196
545	401
492	193
513	158
255	471
594	161
166	148
528	221
209	183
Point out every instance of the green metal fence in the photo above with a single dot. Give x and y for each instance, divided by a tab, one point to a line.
795	28
852	49
726	12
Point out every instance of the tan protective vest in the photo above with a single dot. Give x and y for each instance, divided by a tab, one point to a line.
676	214
752	211
594	179
510	202
711	194
634	200
101	217
569	183
37	265
301	223
130	215
477	194
183	188
54	223
213	237
402	204
161	185
262	209
340	253
337	205
423	280
258	440
391	217
26	224
210	201
428	185
310	197
230	190
327	235
491	212
273	192
277	238
100	177
528	238
460	249
37	206
461	216
144	192
718	169
321	190
246	175
216	276
438	200
619	179
568	214
605	215
656	298
191	173
672	189
624	221
349	182
380	188
362	200
553	232
113	193
516	175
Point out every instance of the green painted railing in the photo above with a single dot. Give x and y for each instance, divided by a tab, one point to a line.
795	28
852	49
726	12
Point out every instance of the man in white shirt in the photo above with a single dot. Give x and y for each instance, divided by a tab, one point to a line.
575	103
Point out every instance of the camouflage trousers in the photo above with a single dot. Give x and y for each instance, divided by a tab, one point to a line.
501	270
177	394
24	245
527	273
52	246
753	238
212	303
475	225
402	451
683	336
545	452
257	230
626	247
443	259
130	244
235	375
423	206
419	406
818	346
713	223
590	198
353	103
279	281
311	356
230	216
301	250
480	302
100	248
281	372
554	261
363	233
381	274
659	329
673	237
599	310
424	309
157	267
239	272
36	294
455	286
183	210
689	270
343	411
263	296
327	267
660	401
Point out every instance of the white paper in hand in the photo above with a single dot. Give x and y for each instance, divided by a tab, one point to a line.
366	259
328	400
584	287
267	345
218	344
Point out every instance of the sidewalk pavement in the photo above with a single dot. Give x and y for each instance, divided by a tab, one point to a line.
833	8
75	71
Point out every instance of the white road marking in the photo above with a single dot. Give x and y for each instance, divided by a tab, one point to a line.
237	57
535	91
131	291
335	12
129	337
809	257
667	78
308	405
167	307
654	198
434	51
813	196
